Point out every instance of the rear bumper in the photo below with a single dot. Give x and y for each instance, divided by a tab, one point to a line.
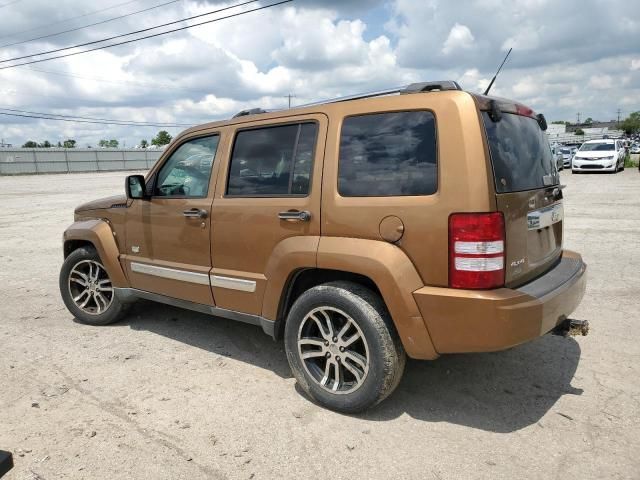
483	321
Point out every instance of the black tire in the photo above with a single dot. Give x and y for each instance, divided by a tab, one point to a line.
112	313
386	356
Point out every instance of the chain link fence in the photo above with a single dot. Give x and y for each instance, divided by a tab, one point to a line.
29	161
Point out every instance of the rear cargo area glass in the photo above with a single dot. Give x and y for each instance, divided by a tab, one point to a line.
520	153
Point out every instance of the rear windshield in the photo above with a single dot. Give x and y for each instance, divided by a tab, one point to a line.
520	153
597	147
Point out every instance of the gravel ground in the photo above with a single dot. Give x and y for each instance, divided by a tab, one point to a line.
174	394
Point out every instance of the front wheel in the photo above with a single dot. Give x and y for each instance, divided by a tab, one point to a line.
86	289
342	346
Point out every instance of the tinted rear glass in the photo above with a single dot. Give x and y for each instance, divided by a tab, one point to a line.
388	154
520	154
273	161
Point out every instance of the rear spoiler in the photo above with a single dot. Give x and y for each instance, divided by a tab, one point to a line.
496	106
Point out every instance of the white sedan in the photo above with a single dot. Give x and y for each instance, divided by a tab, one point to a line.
599	155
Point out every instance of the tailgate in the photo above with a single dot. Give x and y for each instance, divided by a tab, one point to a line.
533	224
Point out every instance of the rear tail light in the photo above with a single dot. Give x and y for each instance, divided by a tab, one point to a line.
476	250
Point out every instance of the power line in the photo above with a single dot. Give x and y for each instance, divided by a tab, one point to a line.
127	34
149	36
123	82
80	119
69	19
87	26
89	121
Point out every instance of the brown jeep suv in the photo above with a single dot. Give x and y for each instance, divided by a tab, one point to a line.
420	221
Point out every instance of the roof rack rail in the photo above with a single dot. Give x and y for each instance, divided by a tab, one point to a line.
420	87
412	88
431	87
251	111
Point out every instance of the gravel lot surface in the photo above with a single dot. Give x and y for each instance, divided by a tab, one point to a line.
171	394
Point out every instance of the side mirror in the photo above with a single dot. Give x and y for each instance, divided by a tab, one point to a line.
134	186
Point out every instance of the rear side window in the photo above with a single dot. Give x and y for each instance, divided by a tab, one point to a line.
520	153
273	161
388	154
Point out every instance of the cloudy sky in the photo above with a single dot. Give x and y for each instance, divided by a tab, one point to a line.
569	56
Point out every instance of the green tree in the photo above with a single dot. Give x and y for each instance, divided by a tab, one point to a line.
113	143
589	121
45	144
163	138
103	143
560	122
69	143
631	124
144	143
59	145
30	144
579	131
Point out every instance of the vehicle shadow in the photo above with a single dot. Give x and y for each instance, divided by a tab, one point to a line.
498	392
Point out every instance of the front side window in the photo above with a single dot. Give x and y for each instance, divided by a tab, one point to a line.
273	161
388	154
188	170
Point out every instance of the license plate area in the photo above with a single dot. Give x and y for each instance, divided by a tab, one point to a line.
545	217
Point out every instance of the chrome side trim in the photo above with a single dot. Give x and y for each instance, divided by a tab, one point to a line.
170	273
233	283
128	294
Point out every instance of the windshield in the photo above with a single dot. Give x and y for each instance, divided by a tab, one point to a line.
597	147
565	150
520	153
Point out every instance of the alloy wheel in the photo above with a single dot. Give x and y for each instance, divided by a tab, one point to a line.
90	287
333	350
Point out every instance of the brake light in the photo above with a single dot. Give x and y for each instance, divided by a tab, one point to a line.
476	250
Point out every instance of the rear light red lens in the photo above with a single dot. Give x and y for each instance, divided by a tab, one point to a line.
476	250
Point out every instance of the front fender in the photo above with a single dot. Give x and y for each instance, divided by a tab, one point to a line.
396	278
102	237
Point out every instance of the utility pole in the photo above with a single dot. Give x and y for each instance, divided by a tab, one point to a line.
578	118
618	112
289	97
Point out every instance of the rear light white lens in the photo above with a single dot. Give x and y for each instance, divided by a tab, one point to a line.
479	248
487	264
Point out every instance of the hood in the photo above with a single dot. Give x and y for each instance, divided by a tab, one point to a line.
595	155
103	203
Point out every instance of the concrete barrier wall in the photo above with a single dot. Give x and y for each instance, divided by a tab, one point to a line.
25	161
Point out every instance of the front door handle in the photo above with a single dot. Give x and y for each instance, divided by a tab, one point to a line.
295	215
195	213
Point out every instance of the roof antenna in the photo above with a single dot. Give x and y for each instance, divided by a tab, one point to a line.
486	92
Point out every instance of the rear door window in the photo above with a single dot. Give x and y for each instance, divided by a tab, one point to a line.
520	153
388	154
273	161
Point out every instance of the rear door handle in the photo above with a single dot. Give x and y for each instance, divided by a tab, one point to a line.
195	213
295	215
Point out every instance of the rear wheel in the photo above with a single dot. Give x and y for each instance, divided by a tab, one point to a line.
342	347
86	288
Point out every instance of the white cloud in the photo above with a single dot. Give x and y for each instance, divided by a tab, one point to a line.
601	82
460	38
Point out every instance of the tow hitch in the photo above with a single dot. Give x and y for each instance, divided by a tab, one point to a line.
572	327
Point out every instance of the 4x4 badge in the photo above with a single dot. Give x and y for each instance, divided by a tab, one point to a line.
532	202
